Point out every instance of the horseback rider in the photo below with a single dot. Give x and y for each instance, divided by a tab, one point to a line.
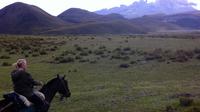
24	85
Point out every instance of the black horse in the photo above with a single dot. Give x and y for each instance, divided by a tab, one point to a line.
58	84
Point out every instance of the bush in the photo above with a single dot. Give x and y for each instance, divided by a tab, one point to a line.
133	62
84	60
79	48
198	57
98	52
197	51
6	64
185	101
66	60
170	109
12	52
127	49
52	49
43	53
78	57
35	55
125	58
5	57
26	55
84	54
124	66
150	57
93	62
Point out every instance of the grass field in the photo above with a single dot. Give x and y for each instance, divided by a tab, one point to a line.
109	73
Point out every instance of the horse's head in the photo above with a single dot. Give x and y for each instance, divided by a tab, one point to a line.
63	89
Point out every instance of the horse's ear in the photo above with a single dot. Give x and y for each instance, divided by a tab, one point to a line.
58	76
64	76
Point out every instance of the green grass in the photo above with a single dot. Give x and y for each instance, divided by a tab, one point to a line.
104	87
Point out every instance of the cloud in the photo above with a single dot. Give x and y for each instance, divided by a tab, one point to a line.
175	2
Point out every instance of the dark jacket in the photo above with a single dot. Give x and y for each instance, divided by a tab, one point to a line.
23	82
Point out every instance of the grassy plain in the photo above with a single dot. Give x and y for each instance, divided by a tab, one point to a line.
97	81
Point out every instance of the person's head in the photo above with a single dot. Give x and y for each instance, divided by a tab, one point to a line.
21	64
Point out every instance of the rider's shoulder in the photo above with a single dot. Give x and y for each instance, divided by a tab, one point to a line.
17	72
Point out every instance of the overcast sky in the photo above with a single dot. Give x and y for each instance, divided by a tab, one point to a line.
55	7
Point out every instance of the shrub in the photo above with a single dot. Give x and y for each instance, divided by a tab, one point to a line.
83	60
78	57
35	55
66	60
26	55
124	66
75	70
84	54
98	52
6	64
12	52
7	50
43	53
197	50
5	57
57	59
90	51
150	57
170	109
78	48
185	101
198	57
132	52
125	58
35	50
127	49
102	47
133	62
30	52
93	62
26	47
52	49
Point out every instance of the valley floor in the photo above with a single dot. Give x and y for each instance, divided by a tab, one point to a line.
109	73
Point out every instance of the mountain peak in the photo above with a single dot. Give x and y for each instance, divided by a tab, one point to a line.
143	7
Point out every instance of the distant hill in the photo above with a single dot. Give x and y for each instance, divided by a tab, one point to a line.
143	7
76	15
20	18
182	21
189	20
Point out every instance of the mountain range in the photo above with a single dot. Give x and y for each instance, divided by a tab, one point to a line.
21	18
143	7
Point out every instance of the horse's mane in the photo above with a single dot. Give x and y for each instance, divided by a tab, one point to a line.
51	81
48	83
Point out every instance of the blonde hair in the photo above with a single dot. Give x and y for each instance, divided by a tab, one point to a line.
21	63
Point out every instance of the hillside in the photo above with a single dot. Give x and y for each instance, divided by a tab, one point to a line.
20	18
117	27
189	20
160	22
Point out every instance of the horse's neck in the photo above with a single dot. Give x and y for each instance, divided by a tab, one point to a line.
49	91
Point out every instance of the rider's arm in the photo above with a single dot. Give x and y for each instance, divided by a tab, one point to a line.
34	82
